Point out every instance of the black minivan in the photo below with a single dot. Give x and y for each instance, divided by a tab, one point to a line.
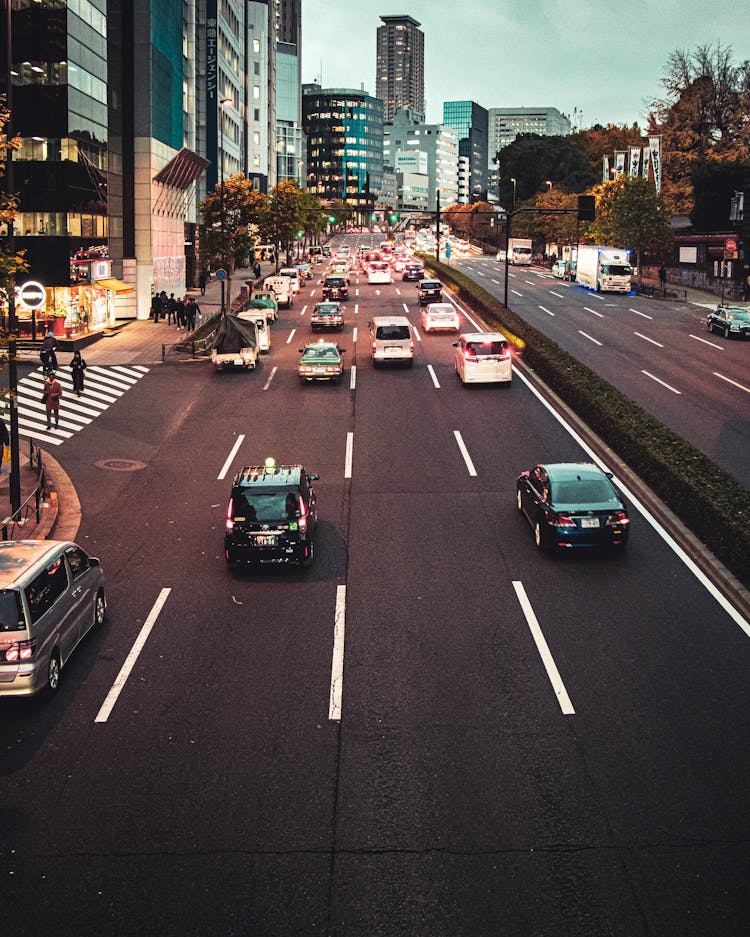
429	291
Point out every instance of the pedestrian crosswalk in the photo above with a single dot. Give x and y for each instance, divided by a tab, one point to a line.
103	385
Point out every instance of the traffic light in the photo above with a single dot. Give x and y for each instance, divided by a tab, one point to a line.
393	217
332	219
373	217
586	208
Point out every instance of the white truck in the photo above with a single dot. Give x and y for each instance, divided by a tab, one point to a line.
282	287
605	269
519	251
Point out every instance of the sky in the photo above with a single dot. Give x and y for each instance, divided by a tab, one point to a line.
594	62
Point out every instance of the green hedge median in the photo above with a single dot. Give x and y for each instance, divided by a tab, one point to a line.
713	504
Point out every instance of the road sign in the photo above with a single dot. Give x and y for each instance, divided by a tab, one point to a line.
221	274
730	249
448	250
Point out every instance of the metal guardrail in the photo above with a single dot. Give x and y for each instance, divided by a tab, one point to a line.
32	505
656	291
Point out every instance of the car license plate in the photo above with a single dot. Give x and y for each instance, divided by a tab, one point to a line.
320	370
265	540
589	522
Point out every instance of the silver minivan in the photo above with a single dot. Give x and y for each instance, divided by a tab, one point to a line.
391	340
51	595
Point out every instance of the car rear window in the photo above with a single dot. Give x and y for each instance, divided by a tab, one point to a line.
334	281
429	285
488	348
392	333
582	491
11	614
265	507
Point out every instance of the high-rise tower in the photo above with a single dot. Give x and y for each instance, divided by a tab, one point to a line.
400	66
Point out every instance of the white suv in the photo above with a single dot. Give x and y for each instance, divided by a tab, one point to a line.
483	357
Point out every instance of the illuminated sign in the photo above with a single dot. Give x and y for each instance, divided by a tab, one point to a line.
32	294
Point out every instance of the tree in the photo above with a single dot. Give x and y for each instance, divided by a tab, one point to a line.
599	141
630	214
11	263
532	159
551	228
283	215
703	117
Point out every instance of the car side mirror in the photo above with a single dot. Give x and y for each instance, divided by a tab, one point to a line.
313	476
455	344
94	561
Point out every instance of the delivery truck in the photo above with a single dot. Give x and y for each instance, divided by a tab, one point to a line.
605	269
519	251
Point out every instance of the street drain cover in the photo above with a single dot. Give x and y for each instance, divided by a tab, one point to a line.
120	465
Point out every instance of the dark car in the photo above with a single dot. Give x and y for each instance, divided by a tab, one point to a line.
321	361
731	321
572	504
335	287
271	516
429	291
413	271
327	315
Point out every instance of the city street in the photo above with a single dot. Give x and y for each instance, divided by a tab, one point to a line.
437	729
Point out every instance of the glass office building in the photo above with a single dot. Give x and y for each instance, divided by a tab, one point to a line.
469	121
344	130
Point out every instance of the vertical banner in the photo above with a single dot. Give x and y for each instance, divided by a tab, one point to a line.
654	144
646	155
605	168
620	163
635	161
212	101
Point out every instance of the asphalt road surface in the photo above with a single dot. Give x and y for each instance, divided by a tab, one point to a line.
657	352
435	730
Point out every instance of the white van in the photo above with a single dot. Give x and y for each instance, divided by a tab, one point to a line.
293	274
391	340
282	287
483	358
262	326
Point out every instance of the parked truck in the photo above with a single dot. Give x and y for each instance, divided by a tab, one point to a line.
519	251
605	269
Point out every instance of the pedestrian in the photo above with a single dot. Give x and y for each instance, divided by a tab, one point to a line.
171	308
179	315
663	279
747	287
155	307
191	310
51	394
256	269
202	280
163	302
77	367
47	352
4	441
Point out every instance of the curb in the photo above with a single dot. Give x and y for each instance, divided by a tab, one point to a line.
63	516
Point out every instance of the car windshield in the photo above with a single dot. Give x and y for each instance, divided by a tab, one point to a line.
583	491
739	314
11	616
318	354
488	348
393	332
266	507
616	270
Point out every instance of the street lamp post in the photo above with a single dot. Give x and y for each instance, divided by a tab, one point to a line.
514	194
222	214
549	185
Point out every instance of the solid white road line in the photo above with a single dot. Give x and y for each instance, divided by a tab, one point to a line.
730	381
516	292
559	295
291	336
642	510
354	334
433	376
668	386
544	652
337	662
645	315
589	337
464	453
406	308
348	457
274	369
303	310
594	312
225	467
647	339
352	377
544	309
122	676
706	342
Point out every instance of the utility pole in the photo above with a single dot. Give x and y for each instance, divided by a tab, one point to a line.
15	468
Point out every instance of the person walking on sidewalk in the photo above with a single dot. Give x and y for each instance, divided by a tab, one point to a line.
202	280
171	308
191	310
77	367
179	314
663	279
51	394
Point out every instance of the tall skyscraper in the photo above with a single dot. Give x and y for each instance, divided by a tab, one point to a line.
468	120
400	66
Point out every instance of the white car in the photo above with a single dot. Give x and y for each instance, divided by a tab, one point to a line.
264	329
483	358
293	274
439	316
379	272
558	269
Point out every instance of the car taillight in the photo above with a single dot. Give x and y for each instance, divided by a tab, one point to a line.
505	355
374	346
562	520
618	519
230	519
411	346
19	651
470	355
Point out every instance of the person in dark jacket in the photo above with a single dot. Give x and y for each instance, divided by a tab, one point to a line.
4	441
51	394
202	280
77	367
47	352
